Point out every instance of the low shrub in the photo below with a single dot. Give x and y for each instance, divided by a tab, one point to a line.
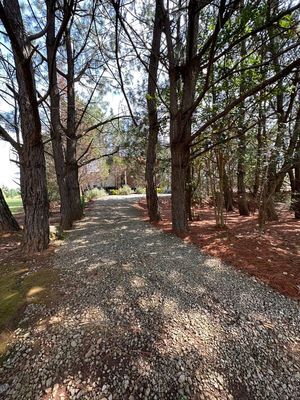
124	190
94	193
140	190
159	190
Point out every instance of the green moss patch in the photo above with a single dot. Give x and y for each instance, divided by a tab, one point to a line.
19	287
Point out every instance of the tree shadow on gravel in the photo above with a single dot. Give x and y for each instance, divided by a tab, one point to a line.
148	316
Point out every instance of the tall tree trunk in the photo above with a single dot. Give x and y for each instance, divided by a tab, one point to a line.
189	192
56	125
261	127
242	198
267	211
272	175
151	193
219	191
280	184
8	222
180	119
32	160
72	175
227	190
241	167
179	164
296	192
293	188
34	194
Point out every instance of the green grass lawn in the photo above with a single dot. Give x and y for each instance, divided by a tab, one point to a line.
15	204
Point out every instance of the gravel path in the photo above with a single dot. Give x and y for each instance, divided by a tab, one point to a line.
145	316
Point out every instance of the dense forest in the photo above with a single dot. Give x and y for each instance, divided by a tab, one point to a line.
200	97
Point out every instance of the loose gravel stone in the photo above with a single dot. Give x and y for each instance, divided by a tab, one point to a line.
140	314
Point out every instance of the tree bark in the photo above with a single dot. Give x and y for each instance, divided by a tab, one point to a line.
56	130
261	128
72	175
267	211
296	191
32	160
151	193
228	195
8	222
241	167
242	199
272	175
180	116
179	164
189	192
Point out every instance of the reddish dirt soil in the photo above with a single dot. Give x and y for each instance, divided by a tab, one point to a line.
273	257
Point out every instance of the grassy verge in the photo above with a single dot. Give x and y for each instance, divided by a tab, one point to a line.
19	287
15	204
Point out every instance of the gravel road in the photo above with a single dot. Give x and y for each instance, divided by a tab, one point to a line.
145	316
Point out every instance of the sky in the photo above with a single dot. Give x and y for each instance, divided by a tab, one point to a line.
8	169
9	172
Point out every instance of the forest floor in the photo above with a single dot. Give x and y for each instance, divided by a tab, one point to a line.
273	258
129	312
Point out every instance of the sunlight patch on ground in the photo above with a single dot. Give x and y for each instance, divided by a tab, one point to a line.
212	262
108	262
34	291
138	282
170	307
128	267
119	291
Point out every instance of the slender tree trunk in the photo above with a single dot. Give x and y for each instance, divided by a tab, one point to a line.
227	191
179	164
272	182
189	192
219	193
292	180
72	174
56	125
151	193
8	222
74	190
296	192
259	139
272	175
280	184
32	160
293	188
267	211
242	198
241	167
